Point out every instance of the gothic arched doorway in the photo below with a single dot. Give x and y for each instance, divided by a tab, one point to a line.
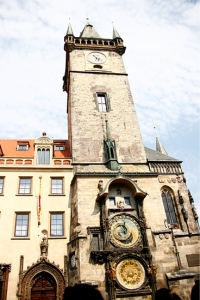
42	281
44	287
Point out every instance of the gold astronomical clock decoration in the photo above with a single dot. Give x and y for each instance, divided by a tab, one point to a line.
124	231
130	273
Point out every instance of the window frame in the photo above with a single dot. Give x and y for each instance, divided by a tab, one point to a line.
22	144
169	208
128	199
56	213
30	188
43	159
107	101
27	225
57	178
3	183
112	205
59	146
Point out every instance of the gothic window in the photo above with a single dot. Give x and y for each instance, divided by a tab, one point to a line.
24	185
56	225
21	225
169	207
43	156
102	102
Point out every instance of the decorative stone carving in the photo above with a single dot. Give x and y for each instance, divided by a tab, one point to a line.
44	247
100	186
29	277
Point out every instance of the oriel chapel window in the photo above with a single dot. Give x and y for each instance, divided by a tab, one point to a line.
169	207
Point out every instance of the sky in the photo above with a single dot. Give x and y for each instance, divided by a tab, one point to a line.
162	60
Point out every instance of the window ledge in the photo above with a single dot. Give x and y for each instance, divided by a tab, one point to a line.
56	195
24	195
20	238
1	194
56	237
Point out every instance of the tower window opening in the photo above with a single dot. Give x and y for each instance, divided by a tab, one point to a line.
96	242
102	102
97	67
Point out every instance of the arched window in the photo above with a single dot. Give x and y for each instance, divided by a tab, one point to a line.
43	156
169	207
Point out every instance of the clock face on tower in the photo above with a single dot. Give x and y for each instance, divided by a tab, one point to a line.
124	231
96	58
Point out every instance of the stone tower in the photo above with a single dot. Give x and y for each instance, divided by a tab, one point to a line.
129	203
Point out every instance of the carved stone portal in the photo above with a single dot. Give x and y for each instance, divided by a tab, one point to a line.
28	278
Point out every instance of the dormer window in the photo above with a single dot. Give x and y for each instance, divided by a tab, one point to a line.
22	146
59	147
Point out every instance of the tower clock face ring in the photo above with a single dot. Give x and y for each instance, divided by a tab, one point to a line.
124	231
96	58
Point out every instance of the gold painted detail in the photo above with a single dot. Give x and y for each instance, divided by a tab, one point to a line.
130	273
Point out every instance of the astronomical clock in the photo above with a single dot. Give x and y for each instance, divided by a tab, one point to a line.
120	243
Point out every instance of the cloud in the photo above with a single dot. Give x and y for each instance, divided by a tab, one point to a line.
162	60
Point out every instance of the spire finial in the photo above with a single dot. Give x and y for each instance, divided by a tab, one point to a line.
159	146
154	128
69	29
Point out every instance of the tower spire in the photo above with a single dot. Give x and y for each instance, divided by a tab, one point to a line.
115	33
159	147
69	29
89	31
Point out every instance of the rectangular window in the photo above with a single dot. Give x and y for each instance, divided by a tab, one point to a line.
57	185
102	102
24	185
95	242
1	185
21	226
22	146
56	224
112	201
127	200
59	147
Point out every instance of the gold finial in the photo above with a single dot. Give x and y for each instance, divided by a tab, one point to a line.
87	19
154	128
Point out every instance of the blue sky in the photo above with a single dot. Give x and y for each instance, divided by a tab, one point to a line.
162	60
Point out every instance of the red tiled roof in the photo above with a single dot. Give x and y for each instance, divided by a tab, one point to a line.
9	149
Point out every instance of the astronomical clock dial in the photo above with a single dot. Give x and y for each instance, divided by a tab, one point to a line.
124	231
96	58
130	274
